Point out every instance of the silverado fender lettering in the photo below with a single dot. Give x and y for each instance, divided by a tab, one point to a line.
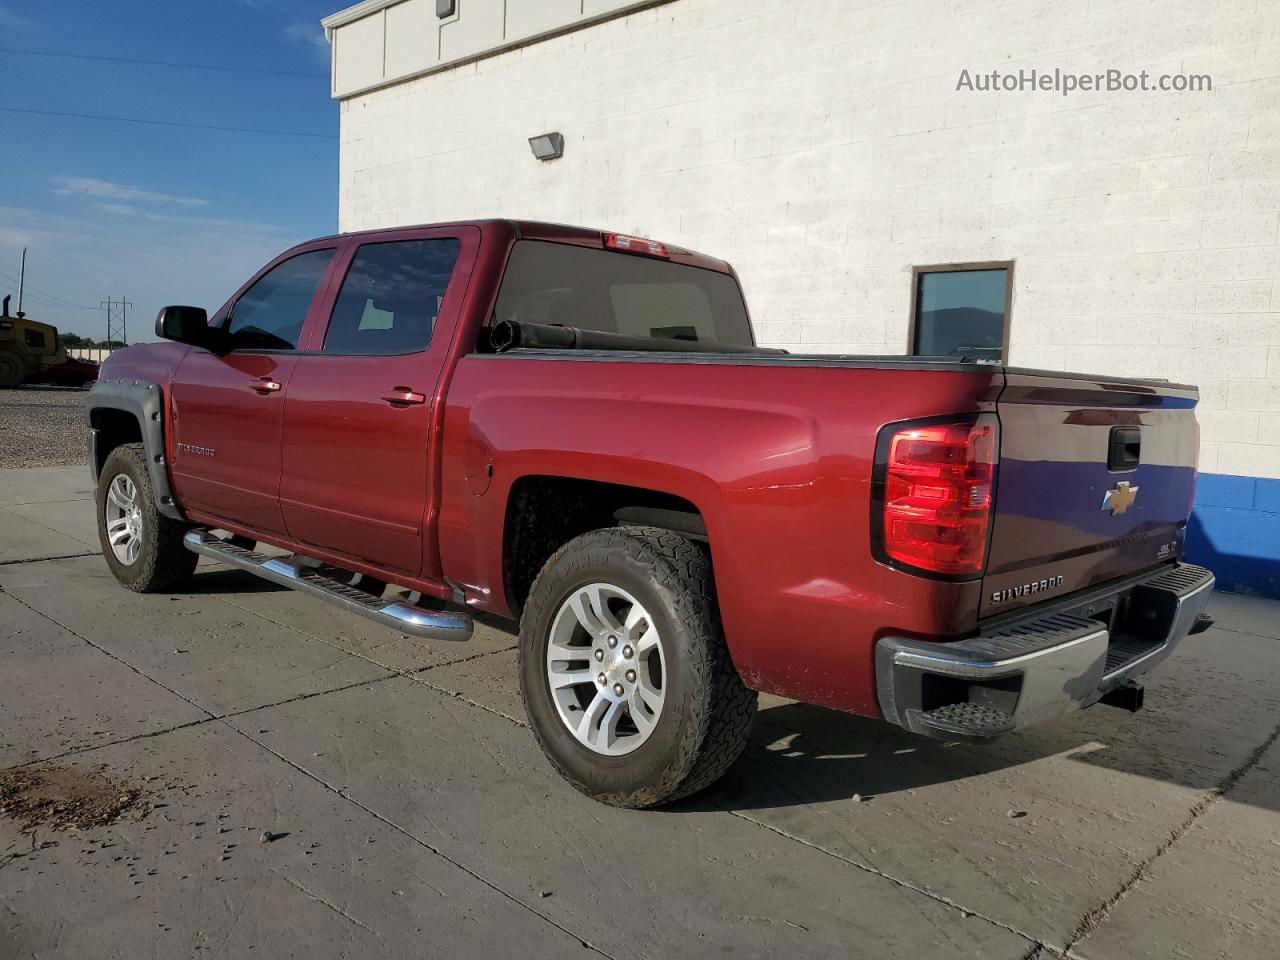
530	422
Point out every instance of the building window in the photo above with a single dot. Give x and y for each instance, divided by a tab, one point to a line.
962	310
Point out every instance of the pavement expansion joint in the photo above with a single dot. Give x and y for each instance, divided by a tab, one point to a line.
1037	945
1092	920
209	715
419	841
415	675
226	721
65	556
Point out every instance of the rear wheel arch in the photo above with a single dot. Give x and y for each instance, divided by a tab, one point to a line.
544	512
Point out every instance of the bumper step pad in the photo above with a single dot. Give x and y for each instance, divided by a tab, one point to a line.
967	720
289	572
1122	651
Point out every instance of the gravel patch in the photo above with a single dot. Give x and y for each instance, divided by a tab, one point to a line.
42	427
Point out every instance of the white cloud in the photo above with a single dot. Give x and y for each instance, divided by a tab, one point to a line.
310	35
106	190
121	209
153	258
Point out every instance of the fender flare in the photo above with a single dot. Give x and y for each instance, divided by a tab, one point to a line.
145	402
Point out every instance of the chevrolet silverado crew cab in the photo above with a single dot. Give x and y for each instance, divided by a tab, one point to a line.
576	430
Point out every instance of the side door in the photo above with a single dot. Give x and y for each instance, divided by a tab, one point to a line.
227	409
359	472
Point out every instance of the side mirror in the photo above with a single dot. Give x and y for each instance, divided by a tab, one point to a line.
188	325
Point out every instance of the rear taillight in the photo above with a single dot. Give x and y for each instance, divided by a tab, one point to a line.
934	491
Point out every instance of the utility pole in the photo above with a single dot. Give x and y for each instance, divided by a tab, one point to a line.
22	279
117	320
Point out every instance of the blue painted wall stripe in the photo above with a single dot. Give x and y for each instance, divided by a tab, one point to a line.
1235	532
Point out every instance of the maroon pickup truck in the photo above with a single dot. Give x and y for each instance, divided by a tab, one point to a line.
576	430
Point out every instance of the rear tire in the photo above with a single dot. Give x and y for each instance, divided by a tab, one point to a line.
652	591
12	371
148	555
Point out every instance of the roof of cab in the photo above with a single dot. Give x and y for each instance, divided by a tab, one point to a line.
551	232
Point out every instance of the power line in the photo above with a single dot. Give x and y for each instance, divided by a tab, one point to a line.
169	123
53	298
163	63
45	300
40	298
59	306
32	300
50	307
49	298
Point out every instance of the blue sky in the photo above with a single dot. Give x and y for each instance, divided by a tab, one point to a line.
160	214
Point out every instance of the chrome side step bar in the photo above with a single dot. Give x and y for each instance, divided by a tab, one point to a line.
288	572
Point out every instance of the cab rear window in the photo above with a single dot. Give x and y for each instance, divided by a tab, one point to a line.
569	286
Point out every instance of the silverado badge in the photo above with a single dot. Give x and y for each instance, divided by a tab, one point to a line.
1120	498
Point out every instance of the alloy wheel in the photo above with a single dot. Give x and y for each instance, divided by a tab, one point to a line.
124	519
605	669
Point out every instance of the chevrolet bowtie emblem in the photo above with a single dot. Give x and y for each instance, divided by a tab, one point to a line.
1120	498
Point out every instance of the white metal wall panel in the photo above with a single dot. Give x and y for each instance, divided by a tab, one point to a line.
359	53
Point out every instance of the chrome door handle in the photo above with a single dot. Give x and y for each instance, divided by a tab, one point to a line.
403	397
265	385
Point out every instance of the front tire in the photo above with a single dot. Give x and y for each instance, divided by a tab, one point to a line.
624	669
143	548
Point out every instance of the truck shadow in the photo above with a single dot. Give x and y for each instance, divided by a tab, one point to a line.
219	580
800	754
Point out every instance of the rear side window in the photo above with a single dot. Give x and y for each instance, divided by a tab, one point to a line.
568	286
391	297
270	314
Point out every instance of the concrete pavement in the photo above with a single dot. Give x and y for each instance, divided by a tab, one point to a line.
421	820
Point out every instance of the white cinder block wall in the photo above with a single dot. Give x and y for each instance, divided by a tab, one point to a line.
822	147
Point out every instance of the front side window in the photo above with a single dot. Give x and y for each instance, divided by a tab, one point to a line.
391	297
270	314
961	311
603	290
35	338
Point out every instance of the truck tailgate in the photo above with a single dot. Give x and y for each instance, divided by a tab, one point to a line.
1095	482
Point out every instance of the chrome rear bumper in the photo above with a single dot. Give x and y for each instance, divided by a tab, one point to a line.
1038	668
